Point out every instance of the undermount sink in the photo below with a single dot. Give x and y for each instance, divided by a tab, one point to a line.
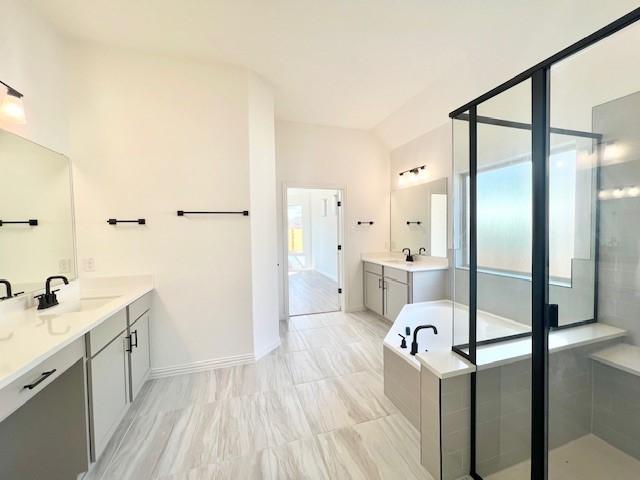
77	306
92	303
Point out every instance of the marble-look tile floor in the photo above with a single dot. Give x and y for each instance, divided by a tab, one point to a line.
313	409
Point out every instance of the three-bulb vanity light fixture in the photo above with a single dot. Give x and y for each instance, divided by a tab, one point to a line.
619	192
414	170
11	106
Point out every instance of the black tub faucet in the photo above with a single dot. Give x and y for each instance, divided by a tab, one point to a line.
414	344
49	298
422	251
7	285
409	257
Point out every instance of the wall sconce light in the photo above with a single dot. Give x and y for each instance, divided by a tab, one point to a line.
414	170
12	106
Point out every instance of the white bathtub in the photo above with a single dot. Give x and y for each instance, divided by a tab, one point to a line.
444	317
402	370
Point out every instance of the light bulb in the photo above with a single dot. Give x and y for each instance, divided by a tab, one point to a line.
13	108
604	194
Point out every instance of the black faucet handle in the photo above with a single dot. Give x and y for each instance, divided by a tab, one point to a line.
403	343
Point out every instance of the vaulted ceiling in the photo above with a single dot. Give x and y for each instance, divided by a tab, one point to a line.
349	63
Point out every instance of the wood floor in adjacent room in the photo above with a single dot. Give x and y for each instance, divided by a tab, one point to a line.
312	292
314	409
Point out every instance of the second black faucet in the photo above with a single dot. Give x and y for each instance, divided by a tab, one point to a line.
49	298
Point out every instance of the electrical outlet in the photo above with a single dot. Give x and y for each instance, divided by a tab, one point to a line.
89	264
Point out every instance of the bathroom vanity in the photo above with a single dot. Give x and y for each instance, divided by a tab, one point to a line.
69	373
390	283
394	279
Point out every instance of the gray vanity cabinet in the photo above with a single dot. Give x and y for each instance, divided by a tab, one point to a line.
118	354
139	356
139	360
373	292
396	296
108	380
387	289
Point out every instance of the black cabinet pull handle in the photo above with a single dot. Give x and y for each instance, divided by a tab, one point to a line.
130	342
42	378
134	333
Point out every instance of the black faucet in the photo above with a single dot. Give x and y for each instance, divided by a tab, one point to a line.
7	284
49	298
409	257
414	344
422	250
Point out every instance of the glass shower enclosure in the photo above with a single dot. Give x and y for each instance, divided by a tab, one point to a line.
546	263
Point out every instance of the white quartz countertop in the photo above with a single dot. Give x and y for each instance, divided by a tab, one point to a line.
450	364
445	364
622	356
29	336
422	263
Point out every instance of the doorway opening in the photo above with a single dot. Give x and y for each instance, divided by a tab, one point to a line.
313	243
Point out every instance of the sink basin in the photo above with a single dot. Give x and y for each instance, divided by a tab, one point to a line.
93	303
400	262
77	306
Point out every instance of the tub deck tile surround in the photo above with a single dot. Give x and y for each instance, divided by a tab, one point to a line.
329	419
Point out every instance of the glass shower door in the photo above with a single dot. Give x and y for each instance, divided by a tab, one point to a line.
594	259
503	313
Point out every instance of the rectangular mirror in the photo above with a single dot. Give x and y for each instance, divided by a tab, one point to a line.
419	218
36	215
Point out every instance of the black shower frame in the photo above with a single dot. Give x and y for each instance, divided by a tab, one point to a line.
542	312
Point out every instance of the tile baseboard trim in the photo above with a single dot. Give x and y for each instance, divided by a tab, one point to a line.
203	365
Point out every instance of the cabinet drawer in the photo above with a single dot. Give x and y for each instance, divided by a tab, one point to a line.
137	308
373	268
397	275
100	336
15	395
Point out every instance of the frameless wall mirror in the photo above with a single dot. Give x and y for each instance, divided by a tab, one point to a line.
419	218
36	214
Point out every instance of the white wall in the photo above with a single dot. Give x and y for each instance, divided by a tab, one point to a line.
151	135
432	149
32	61
324	232
264	226
312	155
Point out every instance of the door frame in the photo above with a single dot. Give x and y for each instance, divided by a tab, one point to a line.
342	240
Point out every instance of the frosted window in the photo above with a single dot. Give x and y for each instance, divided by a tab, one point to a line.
504	216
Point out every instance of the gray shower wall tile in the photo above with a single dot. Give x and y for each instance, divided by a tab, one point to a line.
455	433
504	407
616	408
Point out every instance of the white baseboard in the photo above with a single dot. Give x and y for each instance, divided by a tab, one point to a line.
203	365
266	350
213	364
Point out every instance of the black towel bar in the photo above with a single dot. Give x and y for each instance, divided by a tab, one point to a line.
182	213
31	222
360	222
417	223
140	221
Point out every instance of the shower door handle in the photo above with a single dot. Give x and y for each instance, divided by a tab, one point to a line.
552	315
